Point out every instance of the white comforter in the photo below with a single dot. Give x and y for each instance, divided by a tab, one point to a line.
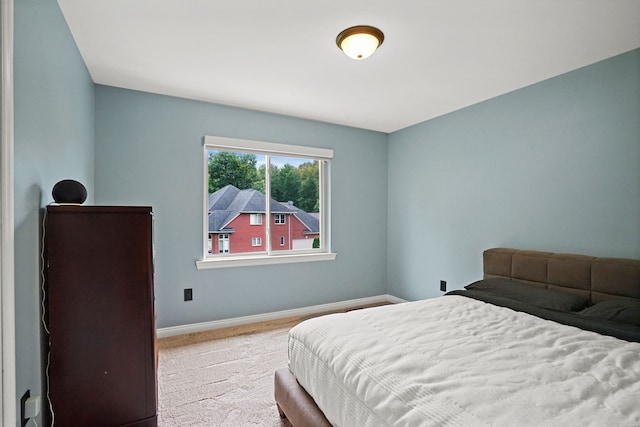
455	361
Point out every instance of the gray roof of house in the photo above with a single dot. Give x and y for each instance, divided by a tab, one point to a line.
311	221
229	202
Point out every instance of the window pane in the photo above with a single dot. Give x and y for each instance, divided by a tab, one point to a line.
295	206
259	202
223	240
236	201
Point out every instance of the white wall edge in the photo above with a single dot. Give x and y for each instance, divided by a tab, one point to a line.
8	397
303	311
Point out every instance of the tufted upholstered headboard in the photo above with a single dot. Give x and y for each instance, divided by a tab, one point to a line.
596	278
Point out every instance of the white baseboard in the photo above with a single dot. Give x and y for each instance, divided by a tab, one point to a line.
245	320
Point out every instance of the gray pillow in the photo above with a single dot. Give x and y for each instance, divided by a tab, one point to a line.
540	297
618	310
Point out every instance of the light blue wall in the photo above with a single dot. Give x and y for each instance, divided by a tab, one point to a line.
149	151
54	130
554	166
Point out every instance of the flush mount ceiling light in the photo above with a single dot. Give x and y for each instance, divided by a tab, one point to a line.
359	42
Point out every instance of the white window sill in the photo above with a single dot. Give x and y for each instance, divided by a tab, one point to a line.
245	261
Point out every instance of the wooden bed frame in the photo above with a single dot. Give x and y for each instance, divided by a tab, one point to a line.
596	278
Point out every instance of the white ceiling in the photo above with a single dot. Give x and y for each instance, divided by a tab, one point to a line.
280	56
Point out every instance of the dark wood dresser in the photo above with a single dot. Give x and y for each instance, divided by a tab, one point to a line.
99	300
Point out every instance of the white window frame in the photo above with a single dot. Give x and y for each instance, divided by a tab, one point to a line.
279	219
282	241
256	241
323	253
255	219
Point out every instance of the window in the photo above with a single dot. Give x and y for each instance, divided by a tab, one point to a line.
288	184
223	243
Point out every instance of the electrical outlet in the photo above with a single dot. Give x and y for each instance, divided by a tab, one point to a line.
188	294
443	285
23	400
29	407
32	407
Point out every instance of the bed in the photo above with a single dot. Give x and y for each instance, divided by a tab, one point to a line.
543	339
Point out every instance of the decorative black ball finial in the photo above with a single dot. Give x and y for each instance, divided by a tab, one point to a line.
69	191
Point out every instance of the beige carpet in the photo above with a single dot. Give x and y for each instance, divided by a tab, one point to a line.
214	379
224	377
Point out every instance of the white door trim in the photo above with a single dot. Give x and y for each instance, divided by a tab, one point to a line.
8	414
